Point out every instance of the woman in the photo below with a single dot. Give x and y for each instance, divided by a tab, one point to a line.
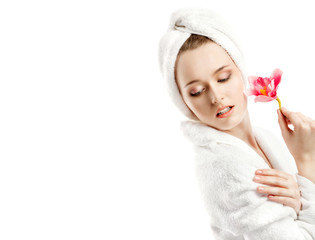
201	60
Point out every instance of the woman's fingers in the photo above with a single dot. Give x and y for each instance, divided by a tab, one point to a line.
274	172
272	180
300	140
284	122
281	187
284	192
296	118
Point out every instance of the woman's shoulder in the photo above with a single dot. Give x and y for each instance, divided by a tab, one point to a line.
226	164
212	146
199	133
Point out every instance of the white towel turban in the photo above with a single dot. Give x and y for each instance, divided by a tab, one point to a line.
183	23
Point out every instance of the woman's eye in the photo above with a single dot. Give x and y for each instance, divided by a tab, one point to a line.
225	79
197	93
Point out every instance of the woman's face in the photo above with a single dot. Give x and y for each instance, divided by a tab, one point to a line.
208	80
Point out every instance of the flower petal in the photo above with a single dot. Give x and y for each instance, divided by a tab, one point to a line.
252	80
262	98
271	86
251	91
272	93
276	75
266	81
271	90
260	83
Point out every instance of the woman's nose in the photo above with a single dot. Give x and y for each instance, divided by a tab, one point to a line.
215	96
216	100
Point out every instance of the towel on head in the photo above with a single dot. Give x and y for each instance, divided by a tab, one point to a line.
183	23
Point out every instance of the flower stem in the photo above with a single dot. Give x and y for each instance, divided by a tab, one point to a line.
279	103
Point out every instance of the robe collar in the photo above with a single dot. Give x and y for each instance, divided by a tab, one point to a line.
203	135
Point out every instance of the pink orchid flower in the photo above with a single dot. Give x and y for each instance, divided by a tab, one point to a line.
265	89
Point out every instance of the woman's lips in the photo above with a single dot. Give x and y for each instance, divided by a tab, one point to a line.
220	109
225	114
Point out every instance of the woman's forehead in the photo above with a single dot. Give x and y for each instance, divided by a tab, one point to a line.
202	60
209	54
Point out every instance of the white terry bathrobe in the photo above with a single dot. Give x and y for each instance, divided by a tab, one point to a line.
225	168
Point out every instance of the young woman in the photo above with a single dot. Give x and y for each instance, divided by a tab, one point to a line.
201	60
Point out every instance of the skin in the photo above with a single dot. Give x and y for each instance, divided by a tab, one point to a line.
202	64
299	141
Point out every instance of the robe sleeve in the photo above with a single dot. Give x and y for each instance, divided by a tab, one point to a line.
235	206
307	189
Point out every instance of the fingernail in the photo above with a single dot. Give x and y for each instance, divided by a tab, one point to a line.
270	196
257	177
258	171
260	188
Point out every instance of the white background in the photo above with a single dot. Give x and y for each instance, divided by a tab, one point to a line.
90	145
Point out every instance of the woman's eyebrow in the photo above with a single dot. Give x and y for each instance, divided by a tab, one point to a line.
216	71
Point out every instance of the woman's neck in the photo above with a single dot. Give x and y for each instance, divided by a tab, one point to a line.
245	132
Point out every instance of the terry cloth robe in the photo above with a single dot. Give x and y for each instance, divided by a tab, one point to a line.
225	167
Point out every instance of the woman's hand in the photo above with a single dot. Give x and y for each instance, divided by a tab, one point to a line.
284	188
301	140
